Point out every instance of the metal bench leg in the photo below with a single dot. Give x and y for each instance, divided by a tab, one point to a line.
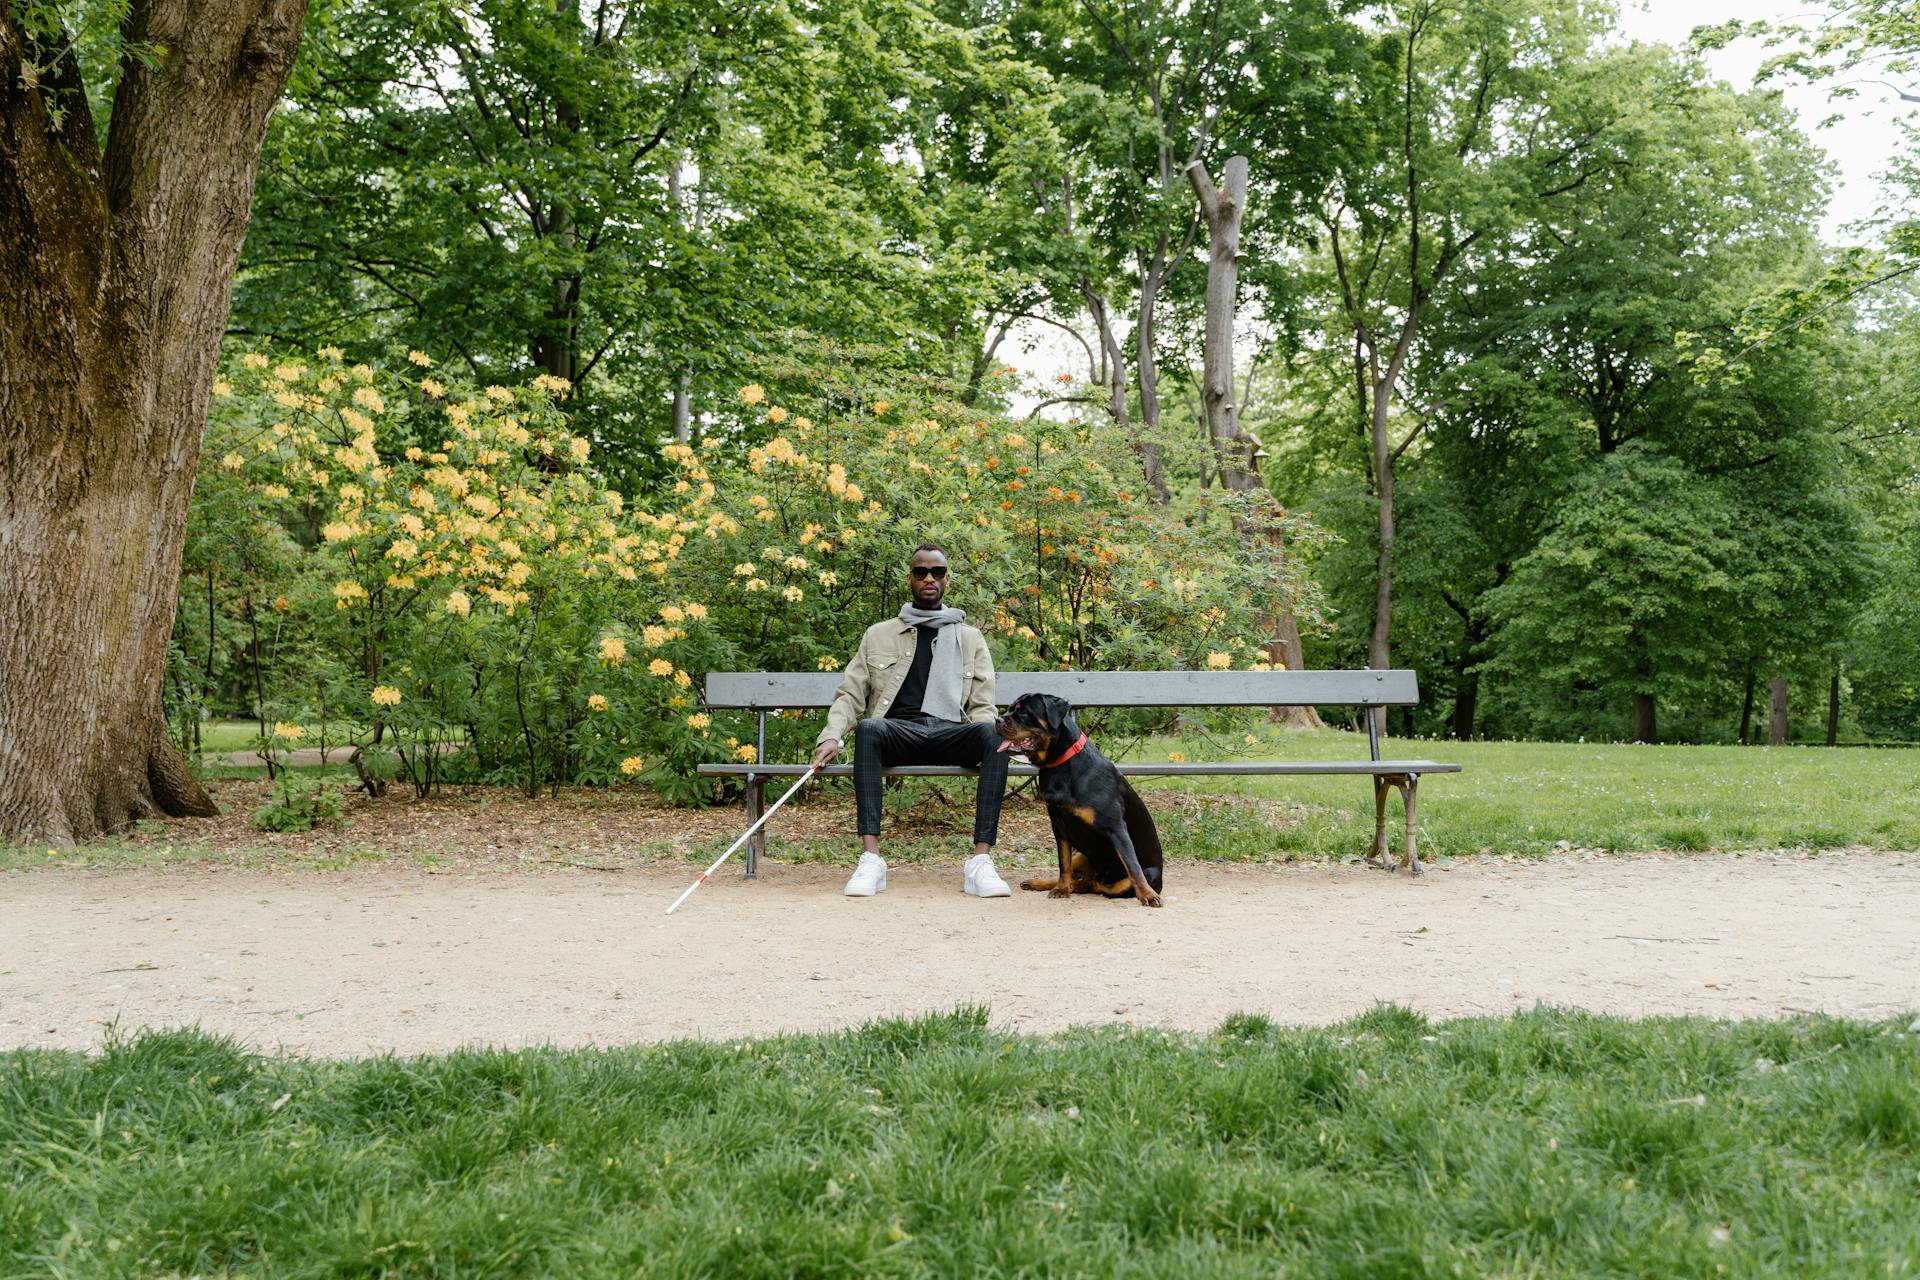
756	805
1379	855
1409	790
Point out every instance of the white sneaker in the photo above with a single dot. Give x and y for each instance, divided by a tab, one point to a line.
869	877
981	880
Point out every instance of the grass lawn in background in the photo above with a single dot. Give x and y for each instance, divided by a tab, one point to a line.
1526	798
1547	1144
1514	798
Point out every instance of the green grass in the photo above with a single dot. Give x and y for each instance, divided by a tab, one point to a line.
1529	797
1526	798
1548	1144
220	736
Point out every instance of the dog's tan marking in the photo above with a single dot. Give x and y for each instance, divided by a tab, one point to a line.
1081	811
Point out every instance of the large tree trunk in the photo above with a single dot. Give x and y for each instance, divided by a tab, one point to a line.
121	269
1233	448
1777	712
1645	728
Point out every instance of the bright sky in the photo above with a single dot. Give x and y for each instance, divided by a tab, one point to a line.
1859	144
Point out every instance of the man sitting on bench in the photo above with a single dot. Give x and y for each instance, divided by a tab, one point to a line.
920	691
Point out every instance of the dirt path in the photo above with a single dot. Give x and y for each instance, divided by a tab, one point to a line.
356	962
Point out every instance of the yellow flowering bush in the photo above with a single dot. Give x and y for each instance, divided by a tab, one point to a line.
448	567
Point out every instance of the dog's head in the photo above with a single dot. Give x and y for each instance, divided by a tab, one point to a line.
1034	723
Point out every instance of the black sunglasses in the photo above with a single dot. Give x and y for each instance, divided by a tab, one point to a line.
928	571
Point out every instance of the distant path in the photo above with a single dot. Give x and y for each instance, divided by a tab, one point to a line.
347	963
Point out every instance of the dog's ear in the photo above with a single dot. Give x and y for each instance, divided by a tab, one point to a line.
1059	712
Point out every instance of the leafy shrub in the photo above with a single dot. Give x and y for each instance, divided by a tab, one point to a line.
299	804
412	562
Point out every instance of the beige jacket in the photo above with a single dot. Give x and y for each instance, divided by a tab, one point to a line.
880	666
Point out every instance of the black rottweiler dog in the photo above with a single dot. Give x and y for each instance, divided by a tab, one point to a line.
1102	831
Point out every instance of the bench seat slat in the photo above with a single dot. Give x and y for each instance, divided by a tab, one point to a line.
786	690
1250	768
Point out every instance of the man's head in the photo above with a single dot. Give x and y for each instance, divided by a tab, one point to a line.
927	575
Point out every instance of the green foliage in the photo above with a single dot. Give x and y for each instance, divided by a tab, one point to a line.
407	562
300	802
1552	1143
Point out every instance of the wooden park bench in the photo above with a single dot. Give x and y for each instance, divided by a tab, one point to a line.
762	692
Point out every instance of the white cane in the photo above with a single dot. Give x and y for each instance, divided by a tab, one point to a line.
743	839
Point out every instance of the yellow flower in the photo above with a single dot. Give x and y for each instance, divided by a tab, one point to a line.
753	393
698	721
1219	661
597	702
385	695
745	753
337	531
653	637
828	664
829	579
696	611
776	414
1177	757
403	549
291	732
682	679
880	407
613	650
289	372
579	449
459	602
433	389
349	590
797	562
673	613
368	398
743	570
254	360
331	353
420	358
756	501
233	462
755	584
793	595
632	765
660	667
223	388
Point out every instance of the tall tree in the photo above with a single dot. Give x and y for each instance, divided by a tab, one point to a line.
1457	103
122	260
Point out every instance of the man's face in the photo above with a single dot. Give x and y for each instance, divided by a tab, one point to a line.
927	579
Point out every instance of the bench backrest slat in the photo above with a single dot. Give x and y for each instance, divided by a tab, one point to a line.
757	690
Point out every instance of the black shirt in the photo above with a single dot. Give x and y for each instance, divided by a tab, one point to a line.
913	690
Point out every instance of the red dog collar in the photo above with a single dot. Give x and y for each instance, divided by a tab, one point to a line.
1068	754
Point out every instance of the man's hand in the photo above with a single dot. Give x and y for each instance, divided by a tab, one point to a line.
824	753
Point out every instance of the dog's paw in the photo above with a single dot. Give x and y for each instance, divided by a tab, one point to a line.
1059	892
1037	885
1150	899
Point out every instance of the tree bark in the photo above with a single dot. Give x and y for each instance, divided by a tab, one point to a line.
1233	448
1644	727
1777	712
1147	370
1833	710
122	268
